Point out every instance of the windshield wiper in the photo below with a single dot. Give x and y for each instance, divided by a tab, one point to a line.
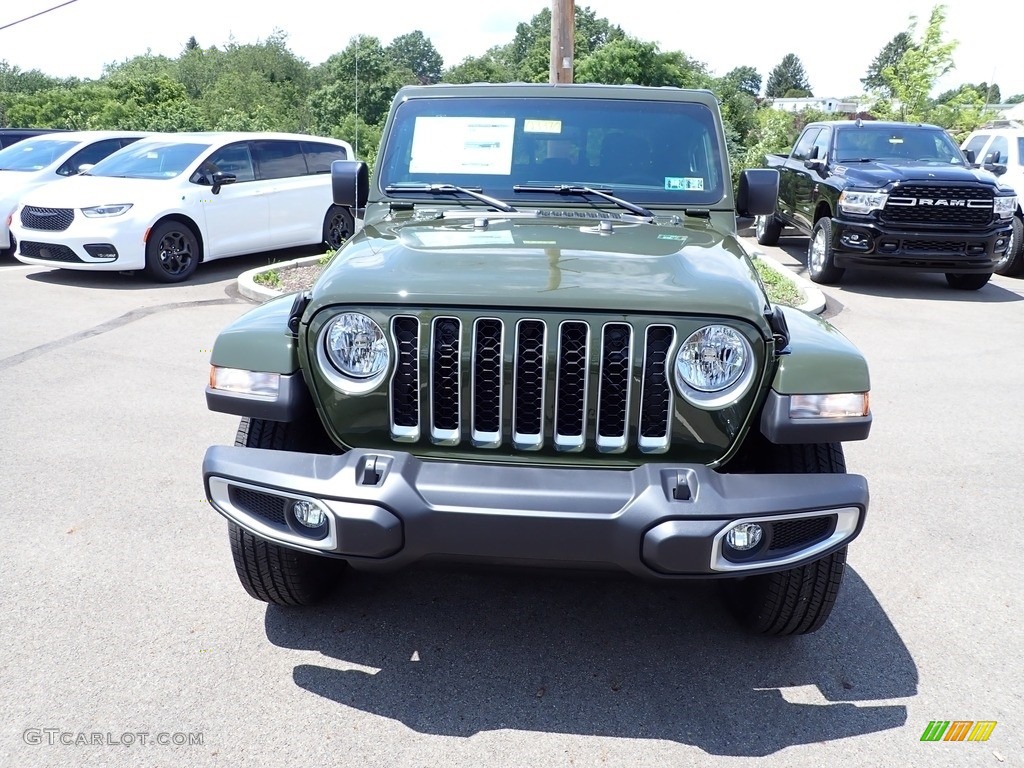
448	189
574	189
858	160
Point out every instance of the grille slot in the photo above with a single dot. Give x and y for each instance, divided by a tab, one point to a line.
269	507
582	357
571	385
405	382
787	534
487	370
934	246
962	205
48	251
528	401
656	393
445	381
613	394
47	219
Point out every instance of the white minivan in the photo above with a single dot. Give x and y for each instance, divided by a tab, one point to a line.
40	159
171	201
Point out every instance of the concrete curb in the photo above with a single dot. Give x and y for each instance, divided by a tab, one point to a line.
814	299
248	287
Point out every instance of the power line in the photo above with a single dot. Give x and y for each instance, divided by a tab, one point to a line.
34	15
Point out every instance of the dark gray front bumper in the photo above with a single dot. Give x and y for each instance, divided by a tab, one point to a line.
387	510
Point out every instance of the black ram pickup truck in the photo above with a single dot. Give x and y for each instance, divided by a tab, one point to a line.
893	195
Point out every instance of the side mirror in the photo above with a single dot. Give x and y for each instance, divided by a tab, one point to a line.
997	168
971	157
993	157
220	179
86	167
350	183
758	192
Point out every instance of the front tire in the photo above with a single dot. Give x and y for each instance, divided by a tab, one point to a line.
968	282
172	252
338	226
767	230
797	601
269	572
1012	262
821	265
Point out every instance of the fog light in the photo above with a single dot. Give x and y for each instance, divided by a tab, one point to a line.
309	514
744	536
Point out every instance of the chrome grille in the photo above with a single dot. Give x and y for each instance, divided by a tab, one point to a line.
956	205
47	219
497	356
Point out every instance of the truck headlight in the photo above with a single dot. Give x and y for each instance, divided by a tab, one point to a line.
862	203
356	346
714	366
1004	207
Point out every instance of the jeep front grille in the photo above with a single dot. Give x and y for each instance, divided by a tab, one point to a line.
578	357
47	219
939	204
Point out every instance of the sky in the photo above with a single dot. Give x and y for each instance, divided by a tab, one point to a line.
835	41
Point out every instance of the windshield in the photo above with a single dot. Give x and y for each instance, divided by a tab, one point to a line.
896	144
649	151
33	154
150	160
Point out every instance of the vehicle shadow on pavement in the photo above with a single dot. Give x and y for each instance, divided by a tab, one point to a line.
459	653
923	286
214	272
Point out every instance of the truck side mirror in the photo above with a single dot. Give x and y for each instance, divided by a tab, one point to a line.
971	157
757	192
350	183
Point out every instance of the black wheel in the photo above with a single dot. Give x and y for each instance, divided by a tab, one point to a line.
172	252
821	265
268	571
338	226
967	282
799	600
767	230
1012	262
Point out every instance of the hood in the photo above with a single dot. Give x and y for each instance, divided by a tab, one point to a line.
877	175
14	184
86	191
560	261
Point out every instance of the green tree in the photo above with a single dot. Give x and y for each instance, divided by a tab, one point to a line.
528	56
962	112
912	79
889	56
745	79
628	60
415	52
788	75
489	68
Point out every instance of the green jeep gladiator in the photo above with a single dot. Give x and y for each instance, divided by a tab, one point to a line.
546	347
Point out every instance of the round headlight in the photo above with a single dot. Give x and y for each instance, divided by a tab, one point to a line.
712	359
356	346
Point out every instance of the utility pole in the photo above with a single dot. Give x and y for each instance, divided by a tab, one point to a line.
563	36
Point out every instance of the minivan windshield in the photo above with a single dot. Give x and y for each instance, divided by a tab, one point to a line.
648	151
150	160
33	154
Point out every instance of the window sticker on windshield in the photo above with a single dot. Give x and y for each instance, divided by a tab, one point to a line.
480	145
684	182
542	126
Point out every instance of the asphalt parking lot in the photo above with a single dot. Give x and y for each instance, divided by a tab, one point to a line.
124	621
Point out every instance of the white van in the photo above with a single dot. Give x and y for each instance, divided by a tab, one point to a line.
174	200
47	157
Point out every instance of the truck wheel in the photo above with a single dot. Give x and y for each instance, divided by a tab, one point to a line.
799	600
1012	262
767	230
269	572
821	265
967	282
172	252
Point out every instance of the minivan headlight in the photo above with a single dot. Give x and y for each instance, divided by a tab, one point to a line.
103	211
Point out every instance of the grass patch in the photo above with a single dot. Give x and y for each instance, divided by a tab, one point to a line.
270	279
781	290
326	257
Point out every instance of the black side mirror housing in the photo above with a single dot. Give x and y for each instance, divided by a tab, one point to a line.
758	192
220	179
350	183
971	157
